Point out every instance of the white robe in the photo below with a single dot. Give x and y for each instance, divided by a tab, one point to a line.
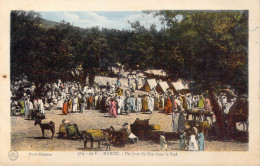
151	104
41	106
163	143
26	108
119	101
193	144
175	120
139	105
121	104
75	104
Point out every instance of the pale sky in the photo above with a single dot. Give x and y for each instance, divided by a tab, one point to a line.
103	19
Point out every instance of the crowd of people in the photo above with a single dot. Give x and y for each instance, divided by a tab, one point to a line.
72	97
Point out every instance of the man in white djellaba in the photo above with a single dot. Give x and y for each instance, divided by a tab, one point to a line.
75	104
138	104
41	106
151	103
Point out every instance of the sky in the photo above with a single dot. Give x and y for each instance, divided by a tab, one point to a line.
103	19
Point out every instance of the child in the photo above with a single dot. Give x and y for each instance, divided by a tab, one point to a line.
182	140
201	140
163	142
193	145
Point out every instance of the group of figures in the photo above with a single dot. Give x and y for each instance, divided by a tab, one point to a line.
192	140
116	100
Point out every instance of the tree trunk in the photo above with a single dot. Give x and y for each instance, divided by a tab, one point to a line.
231	123
91	80
220	121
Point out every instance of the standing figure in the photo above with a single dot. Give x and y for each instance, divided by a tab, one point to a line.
26	107
65	108
30	110
138	104
112	108
163	142
201	140
41	106
151	104
132	103
168	106
91	102
175	118
127	105
145	104
156	102
69	105
74	104
182	140
83	104
181	122
193	145
118	83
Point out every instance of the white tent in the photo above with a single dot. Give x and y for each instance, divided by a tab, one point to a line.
162	87
178	86
149	85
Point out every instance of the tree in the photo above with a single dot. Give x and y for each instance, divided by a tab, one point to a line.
211	48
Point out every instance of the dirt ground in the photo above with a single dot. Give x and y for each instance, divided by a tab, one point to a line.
27	137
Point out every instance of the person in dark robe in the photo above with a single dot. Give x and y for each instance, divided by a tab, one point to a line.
181	122
182	141
145	104
103	104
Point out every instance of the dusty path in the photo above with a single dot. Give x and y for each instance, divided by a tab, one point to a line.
27	137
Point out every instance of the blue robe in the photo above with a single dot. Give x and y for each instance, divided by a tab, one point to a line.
182	141
132	104
201	141
127	105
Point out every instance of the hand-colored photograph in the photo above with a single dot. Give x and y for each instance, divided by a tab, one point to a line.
153	80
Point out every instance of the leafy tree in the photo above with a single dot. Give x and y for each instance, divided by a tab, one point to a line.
209	47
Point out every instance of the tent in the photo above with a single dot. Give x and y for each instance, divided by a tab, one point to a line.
162	87
178	87
149	85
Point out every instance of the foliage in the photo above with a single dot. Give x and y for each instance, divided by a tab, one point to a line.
208	47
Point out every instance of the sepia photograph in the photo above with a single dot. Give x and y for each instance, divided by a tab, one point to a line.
151	80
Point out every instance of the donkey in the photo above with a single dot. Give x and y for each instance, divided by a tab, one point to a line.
45	126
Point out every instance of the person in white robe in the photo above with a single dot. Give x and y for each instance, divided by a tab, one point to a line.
26	107
163	143
193	144
41	106
138	104
122	103
150	103
175	120
75	104
30	110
